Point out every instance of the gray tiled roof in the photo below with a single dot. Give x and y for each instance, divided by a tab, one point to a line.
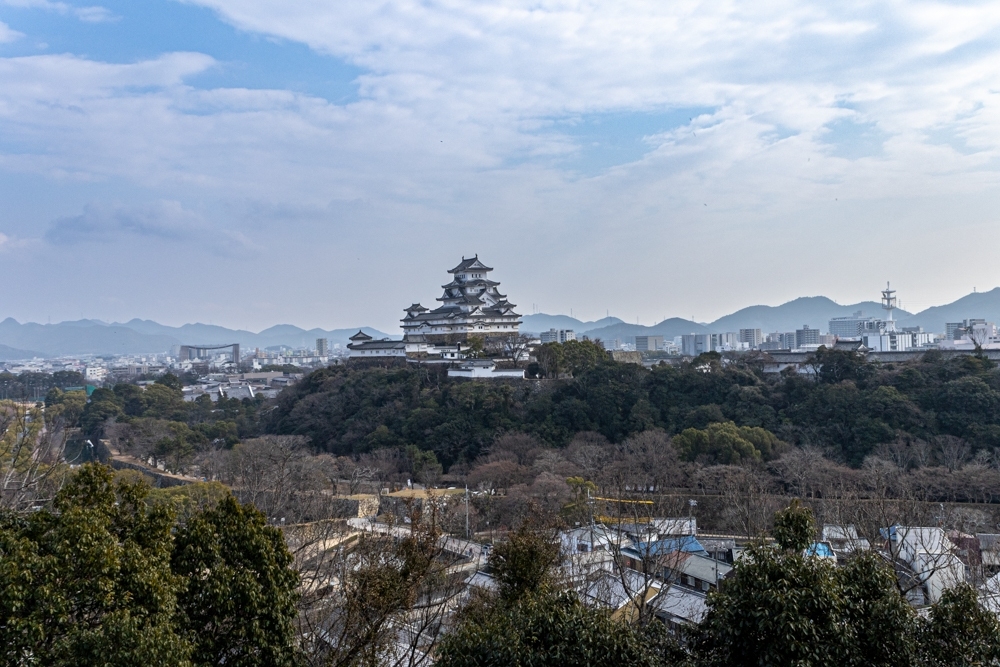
470	263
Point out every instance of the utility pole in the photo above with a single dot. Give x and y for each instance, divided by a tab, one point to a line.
466	511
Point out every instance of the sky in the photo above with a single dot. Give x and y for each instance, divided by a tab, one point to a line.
320	163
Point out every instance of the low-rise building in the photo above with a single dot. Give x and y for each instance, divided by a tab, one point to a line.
485	369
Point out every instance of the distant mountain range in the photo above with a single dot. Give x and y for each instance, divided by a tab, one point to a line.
984	305
23	341
542	322
815	311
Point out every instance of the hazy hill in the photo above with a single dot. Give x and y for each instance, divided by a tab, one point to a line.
20	341
145	336
984	305
816	311
674	326
81	337
8	353
542	322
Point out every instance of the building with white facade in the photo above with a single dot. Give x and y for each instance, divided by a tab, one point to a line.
887	338
485	369
470	306
930	555
694	344
855	326
363	346
752	337
557	336
728	342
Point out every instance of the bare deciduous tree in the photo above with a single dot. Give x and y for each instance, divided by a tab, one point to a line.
30	454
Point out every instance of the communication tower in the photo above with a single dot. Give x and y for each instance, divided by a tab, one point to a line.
889	304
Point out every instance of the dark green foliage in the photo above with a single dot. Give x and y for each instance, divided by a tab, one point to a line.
850	407
781	607
239	603
90	583
727	443
529	623
960	632
794	527
546	630
523	563
99	580
883	628
64	407
34	386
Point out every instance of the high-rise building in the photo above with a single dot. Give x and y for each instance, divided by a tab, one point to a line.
752	337
322	347
648	343
855	326
806	336
557	335
694	344
956	330
725	342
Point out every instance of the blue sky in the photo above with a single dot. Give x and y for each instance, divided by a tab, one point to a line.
248	162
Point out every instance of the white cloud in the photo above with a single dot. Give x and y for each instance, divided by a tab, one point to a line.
153	223
460	139
92	14
7	34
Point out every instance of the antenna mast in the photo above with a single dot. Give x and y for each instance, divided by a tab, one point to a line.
889	304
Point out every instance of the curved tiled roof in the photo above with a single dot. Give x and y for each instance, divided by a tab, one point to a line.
467	264
455	284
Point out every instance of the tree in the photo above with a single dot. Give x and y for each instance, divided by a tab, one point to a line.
99	410
63	408
781	607
727	443
784	607
30	455
546	630
530	622
88	582
238	607
379	600
523	563
474	346
550	359
516	346
794	527
883	627
960	632
840	365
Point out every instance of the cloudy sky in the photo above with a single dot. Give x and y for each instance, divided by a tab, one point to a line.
324	162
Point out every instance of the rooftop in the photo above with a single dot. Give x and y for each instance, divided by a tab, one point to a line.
470	264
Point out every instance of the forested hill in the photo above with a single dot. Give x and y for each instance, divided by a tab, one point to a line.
851	408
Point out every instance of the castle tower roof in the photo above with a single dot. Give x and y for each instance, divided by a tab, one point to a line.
470	265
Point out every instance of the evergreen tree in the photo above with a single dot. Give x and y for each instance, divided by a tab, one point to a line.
89	582
239	604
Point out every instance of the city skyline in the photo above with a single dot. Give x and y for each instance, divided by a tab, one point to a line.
250	163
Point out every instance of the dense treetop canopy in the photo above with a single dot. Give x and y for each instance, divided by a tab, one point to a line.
722	410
